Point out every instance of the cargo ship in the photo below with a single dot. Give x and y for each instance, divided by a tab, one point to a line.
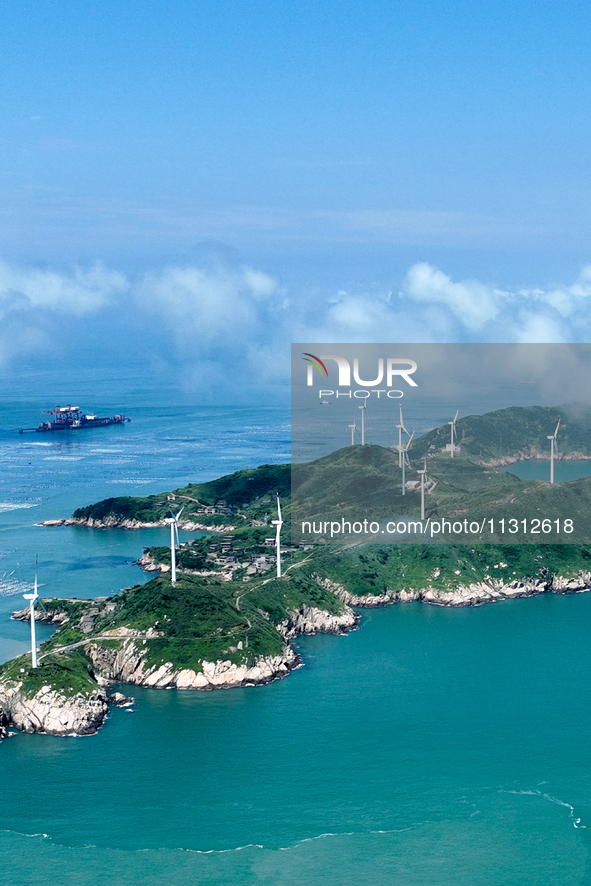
71	418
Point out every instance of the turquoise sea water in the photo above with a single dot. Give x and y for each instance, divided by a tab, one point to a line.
539	469
432	747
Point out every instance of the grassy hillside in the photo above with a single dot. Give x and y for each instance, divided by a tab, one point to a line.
237	491
516	432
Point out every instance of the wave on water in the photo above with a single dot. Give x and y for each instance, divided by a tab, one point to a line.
319	837
18	505
21	834
63	458
136	481
216	851
241	848
576	821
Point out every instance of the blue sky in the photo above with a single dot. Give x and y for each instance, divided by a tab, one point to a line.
362	171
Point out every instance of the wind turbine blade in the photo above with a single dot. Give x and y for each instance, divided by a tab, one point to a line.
279	511
176	533
456	415
557	426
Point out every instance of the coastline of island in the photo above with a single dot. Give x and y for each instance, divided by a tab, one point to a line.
228	621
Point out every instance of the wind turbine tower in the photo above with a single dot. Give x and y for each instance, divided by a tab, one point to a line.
423	474
453	434
553	450
353	429
33	599
174	538
278	523
363	408
401	428
405	461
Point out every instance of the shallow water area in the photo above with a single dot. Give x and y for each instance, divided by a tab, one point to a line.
430	754
539	469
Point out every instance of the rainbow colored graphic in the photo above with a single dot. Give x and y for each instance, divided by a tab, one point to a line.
317	362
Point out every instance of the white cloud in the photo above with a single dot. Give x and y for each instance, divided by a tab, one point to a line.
473	303
234	325
218	306
34	301
79	292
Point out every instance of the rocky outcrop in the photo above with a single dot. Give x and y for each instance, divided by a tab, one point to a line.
113	522
473	594
3	725
53	712
128	665
53	617
110	522
310	620
148	563
120	700
528	454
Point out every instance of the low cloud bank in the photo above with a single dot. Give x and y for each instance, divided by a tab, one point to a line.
216	322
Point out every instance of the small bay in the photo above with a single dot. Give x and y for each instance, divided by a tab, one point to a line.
539	469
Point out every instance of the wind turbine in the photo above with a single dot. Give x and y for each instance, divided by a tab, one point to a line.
278	523
174	531
33	599
405	461
401	427
553	450
353	429
363	407
423	474
453	434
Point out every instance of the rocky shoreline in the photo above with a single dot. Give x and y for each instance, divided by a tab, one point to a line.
128	665
530	455
474	594
117	523
54	713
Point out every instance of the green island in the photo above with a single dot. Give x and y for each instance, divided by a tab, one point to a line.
229	621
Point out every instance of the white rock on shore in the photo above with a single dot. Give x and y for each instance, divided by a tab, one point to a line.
473	594
41	615
52	712
128	665
112	522
310	620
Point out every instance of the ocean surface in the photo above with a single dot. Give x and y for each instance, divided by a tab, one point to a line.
432	747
